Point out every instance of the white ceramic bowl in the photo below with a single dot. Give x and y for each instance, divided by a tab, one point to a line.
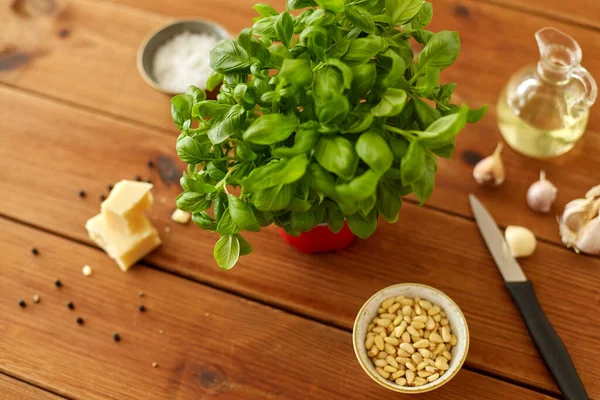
455	317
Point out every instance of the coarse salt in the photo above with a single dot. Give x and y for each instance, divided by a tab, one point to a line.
183	61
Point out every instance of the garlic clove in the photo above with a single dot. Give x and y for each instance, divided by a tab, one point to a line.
579	225
490	170
521	241
593	193
589	238
541	194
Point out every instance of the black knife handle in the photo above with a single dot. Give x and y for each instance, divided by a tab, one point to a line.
551	348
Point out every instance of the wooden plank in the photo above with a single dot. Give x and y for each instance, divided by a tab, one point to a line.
213	344
46	160
583	13
72	53
13	389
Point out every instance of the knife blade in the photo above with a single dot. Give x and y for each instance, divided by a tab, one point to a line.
550	346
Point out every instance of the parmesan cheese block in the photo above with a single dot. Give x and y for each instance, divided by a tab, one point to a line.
125	206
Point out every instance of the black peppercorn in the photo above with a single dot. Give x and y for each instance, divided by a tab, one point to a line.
110	187
138	178
149	181
57	283
150	164
71	305
35	251
116	337
142	308
79	320
102	197
22	303
82	194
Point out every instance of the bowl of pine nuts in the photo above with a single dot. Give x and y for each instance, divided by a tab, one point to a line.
410	338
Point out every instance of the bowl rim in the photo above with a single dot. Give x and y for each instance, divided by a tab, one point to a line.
386	384
219	29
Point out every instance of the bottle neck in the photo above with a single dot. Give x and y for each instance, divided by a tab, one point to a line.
554	74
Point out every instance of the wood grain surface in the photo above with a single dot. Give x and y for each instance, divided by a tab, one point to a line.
425	246
214	345
13	389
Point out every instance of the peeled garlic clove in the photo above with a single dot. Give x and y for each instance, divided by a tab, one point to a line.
541	194
521	241
490	170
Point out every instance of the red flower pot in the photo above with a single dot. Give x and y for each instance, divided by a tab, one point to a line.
320	239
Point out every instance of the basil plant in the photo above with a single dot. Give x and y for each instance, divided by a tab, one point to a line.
325	115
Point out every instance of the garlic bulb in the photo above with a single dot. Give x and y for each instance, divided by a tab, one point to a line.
541	194
580	223
521	241
490	170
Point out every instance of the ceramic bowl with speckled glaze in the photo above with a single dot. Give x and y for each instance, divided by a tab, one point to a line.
456	319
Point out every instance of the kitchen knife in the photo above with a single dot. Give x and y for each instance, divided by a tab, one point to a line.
551	348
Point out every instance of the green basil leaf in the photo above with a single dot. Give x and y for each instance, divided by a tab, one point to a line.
244	95
204	221
226	225
214	173
284	28
391	104
426	115
227	251
299	205
361	18
213	81
304	142
422	36
428	84
368	204
335	217
360	187
298	4
423	187
446	91
265	27
474	116
336	6
303	221
334	110
364	79
374	151
242	151
265	10
210	108
274	198
197	185
402	11
245	247
336	154
406	118
388	201
347	74
362	51
357	122
445	151
197	94
440	51
229	57
320	180
361	225
192	201
296	71
395	67
264	218
220	204
413	163
398	145
181	108
242	214
190	150
319	18
270	129
441	131
228	125
276	173
424	16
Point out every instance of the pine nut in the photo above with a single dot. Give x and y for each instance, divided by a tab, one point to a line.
381	363
399	299
388	303
433	377
384	322
443	314
448	346
430	362
402	361
424	374
437	318
444	322
383	373
407	347
390	349
426	334
410	366
431	369
419	381
402	353
441	363
420	318
430	324
407	302
407	310
410	377
417	300
400	329
370	327
407	319
413	332
425	353
379	342
435	338
397	320
374	351
454	340
425	304
446	334
418	309
392	341
401	381
383	334
417	324
415	338
417	358
391	317
422	365
378	329
434	310
447	355
391	361
440	348
381	310
369	342
390	369
406	337
398	374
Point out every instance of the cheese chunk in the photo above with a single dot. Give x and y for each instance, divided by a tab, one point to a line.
124	247
125	206
181	217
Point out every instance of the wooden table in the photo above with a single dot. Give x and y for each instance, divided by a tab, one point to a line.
76	115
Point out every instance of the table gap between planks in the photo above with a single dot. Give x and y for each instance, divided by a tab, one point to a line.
329	288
